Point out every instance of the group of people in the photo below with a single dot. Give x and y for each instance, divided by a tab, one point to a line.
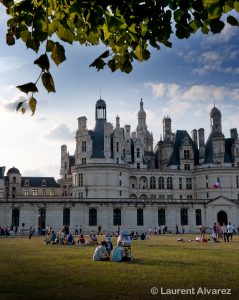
225	231
103	252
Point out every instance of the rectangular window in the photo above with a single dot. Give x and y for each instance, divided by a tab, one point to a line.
186	154
170	197
198	217
189	183
123	153
120	193
117	146
152	196
189	197
83	148
83	161
35	192
161	217
207	195
184	216
207	185
138	165
65	165
26	192
52	192
140	217
180	183
117	217
137	153
81	195
187	167
44	192
120	183
66	216
161	197
80	178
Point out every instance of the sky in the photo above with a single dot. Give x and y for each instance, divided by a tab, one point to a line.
183	82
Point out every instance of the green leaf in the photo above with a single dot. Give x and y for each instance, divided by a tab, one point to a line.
32	104
50	45
236	6
48	82
106	32
19	105
232	21
28	87
58	54
65	34
216	26
98	64
43	62
10	40
33	44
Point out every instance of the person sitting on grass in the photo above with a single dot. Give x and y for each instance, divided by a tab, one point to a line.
70	239
118	254
100	253
93	239
81	240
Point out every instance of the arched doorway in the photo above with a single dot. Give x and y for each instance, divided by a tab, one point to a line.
222	217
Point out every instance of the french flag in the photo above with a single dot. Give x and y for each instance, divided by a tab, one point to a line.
216	184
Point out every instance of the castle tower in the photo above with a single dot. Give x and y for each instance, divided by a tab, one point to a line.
167	130
141	117
216	120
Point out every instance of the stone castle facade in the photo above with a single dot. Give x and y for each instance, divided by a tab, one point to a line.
116	178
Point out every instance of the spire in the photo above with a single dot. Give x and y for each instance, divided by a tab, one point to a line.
141	116
117	122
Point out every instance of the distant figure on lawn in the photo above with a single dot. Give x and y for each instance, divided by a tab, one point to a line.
100	253
99	229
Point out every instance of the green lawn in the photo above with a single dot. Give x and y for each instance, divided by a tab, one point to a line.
31	270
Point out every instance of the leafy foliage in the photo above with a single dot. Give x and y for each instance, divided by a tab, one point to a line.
128	28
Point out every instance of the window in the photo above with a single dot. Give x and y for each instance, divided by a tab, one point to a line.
189	183
120	193
161	217
169	183
117	161
206	176
35	192
117	146
170	197
117	217
83	161
187	167
83	146
207	195
15	217
184	216
161	183
138	165
152	182
198	217
140	217
26	182
207	185
186	154
181	197
80	178
44	192
26	192
123	153
152	196
66	216
92	217
52	192
65	165
189	197
137	152
161	197
43	182
14	180
180	183
81	195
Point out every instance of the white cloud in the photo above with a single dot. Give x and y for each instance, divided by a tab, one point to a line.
60	133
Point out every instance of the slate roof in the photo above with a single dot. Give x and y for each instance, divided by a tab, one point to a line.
37	181
97	137
13	170
2	169
209	151
179	137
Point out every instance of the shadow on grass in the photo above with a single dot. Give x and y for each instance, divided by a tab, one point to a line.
162	263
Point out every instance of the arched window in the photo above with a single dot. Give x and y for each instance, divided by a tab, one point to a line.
15	217
161	217
66	216
184	216
92	217
14	180
198	217
161	183
140	217
42	218
152	182
169	183
117	217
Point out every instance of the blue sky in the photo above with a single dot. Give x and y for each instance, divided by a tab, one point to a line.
182	82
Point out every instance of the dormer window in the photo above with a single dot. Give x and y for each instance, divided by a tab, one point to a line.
14	180
26	182
186	154
43	182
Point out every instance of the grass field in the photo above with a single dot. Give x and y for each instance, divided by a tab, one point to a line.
31	270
